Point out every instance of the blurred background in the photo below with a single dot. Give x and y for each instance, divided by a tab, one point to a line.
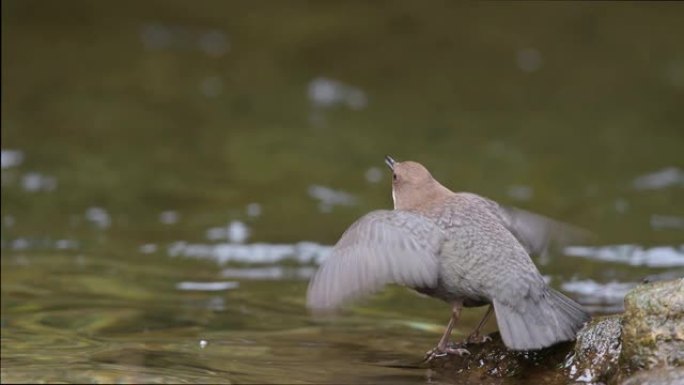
173	171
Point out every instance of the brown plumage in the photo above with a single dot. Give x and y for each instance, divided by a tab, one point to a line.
459	247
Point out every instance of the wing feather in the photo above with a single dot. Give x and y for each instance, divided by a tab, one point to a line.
536	232
381	247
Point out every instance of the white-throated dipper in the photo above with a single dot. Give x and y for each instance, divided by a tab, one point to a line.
462	248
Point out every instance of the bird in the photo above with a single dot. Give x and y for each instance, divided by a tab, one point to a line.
461	248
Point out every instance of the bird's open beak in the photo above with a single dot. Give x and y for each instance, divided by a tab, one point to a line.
389	162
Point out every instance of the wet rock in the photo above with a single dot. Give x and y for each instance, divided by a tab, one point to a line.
596	352
645	345
493	360
672	376
593	358
653	326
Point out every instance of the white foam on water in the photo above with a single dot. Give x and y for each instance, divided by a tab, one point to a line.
669	176
35	181
169	217
258	253
99	217
269	273
328	197
324	92
11	158
635	255
595	293
207	286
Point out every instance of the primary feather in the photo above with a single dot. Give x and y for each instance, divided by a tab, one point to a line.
381	247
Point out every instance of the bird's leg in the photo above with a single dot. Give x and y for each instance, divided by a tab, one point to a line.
444	341
475	337
443	347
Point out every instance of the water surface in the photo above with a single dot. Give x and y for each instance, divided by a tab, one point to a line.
173	173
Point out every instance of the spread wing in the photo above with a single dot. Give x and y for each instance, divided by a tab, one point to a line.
536	232
381	247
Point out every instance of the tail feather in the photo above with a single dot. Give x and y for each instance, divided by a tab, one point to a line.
531	326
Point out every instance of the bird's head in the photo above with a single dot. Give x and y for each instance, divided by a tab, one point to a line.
412	185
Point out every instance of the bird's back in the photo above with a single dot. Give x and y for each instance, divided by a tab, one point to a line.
480	256
483	261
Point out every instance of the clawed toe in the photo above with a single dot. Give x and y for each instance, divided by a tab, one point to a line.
478	339
432	354
457	351
438	352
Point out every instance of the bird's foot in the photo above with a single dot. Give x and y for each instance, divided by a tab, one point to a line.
457	351
439	351
476	339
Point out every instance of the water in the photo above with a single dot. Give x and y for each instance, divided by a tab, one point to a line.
172	175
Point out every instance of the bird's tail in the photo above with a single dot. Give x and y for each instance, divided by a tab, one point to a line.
535	325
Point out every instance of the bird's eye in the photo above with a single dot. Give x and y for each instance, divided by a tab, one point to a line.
394	176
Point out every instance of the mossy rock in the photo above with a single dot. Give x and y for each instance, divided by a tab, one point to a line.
653	327
671	376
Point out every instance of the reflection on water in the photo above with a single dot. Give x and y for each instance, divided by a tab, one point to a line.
172	177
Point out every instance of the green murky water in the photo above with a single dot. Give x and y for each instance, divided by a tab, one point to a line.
172	171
